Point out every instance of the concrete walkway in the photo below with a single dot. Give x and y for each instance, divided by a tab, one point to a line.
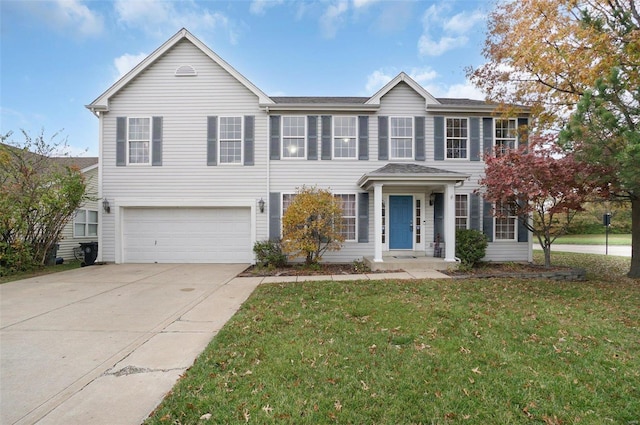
617	250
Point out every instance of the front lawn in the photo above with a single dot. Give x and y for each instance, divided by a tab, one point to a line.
434	351
624	239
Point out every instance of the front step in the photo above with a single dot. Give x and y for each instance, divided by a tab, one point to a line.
409	262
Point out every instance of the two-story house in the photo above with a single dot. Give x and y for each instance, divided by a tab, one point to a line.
197	163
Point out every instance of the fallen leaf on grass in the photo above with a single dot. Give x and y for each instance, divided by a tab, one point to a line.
337	405
205	417
364	386
267	409
476	370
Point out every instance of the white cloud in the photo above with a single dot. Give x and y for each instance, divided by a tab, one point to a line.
463	22
376	80
155	16
127	62
333	18
259	7
465	91
441	33
74	14
357	4
423	75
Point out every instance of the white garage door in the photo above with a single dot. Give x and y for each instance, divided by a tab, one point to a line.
187	235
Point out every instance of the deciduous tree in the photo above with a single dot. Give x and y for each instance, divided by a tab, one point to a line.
552	54
312	224
538	180
38	197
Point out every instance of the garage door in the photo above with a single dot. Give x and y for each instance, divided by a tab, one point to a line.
187	235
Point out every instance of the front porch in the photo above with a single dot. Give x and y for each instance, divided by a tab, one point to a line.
409	261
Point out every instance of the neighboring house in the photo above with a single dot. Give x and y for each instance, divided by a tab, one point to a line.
197	164
84	226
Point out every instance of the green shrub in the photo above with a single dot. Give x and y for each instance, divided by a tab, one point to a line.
15	258
269	254
471	246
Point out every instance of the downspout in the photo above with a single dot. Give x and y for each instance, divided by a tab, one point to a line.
268	173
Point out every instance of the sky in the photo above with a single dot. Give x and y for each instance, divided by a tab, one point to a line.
56	56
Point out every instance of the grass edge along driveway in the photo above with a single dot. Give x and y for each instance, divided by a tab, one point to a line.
466	351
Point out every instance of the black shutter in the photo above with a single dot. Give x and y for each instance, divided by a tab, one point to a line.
383	138
487	220
249	139
438	138
121	141
523	232
474	212
326	136
312	137
363	138
438	216
420	148
212	140
474	139
274	137
487	135
156	148
363	217
274	216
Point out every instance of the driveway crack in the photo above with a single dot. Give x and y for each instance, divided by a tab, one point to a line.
133	370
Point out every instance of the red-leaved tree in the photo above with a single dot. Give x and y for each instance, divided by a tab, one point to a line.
538	181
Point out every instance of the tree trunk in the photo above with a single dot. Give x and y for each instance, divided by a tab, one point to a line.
634	271
547	256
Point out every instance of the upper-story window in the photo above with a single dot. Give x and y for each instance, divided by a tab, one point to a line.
344	137
401	137
506	134
293	137
230	140
139	140
457	138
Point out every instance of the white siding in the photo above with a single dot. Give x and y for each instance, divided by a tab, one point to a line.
184	103
67	241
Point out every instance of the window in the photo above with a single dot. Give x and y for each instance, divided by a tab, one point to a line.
418	220
401	137
85	223
230	140
348	216
457	138
348	203
293	137
505	224
344	137
506	133
139	140
462	211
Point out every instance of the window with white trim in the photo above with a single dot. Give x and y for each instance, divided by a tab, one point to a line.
462	212
506	134
505	224
85	223
348	202
293	137
344	137
139	140
230	140
401	139
457	138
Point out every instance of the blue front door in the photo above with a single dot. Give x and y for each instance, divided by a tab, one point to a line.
400	222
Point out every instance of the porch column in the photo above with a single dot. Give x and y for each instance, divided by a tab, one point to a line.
449	223
377	222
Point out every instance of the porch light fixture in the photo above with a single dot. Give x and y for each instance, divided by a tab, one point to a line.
105	206
261	205
432	198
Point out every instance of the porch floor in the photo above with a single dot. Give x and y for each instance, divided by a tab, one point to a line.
409	261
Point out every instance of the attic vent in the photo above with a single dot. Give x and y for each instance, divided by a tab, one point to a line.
186	71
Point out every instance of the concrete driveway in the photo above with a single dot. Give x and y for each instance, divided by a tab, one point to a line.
104	344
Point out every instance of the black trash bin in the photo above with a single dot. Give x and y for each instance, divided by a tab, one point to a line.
51	255
90	250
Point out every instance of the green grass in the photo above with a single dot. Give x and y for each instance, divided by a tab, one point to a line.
593	240
499	351
68	265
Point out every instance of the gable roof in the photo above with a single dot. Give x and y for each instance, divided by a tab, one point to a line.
102	102
83	163
402	78
403	173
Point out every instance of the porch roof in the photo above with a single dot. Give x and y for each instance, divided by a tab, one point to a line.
409	174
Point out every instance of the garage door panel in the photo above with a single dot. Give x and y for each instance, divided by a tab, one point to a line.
187	235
